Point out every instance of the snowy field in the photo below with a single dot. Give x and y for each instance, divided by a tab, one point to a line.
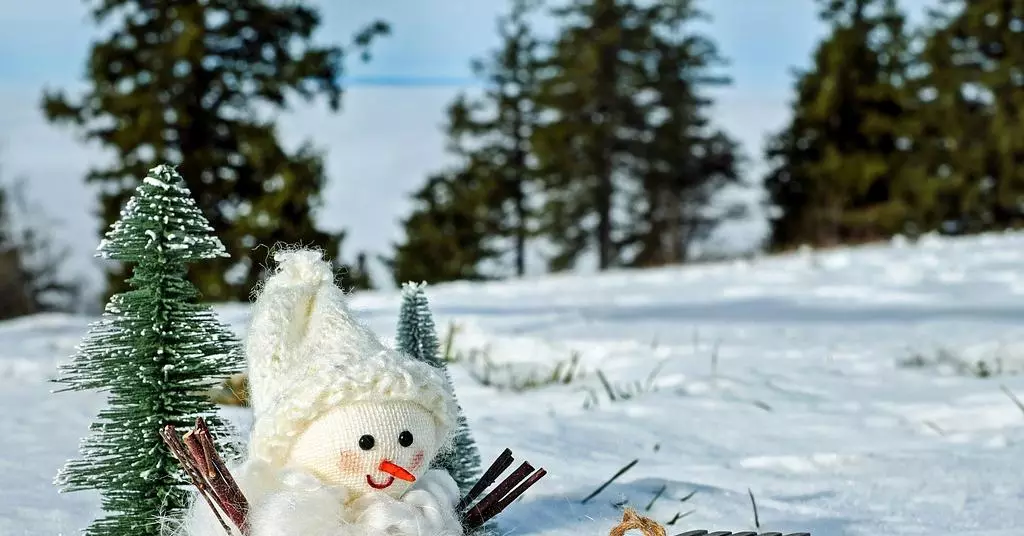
828	384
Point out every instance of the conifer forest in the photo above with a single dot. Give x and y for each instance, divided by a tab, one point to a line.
511	267
587	136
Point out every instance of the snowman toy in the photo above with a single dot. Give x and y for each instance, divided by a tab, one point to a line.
344	428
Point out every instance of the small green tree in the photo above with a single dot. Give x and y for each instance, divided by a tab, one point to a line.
155	352
417	334
417	337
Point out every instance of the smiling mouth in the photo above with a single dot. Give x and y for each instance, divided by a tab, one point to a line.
373	484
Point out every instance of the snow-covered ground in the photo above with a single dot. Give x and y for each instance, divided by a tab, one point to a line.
786	376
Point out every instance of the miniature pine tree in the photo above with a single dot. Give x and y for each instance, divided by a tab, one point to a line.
155	353
417	337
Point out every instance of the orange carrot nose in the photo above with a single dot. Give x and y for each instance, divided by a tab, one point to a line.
396	471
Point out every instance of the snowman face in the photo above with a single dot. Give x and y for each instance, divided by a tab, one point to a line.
366	447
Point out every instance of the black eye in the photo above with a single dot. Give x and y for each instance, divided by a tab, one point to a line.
405	438
366	442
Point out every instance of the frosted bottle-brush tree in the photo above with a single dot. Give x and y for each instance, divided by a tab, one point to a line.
155	352
417	337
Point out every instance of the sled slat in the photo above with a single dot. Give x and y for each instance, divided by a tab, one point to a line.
699	532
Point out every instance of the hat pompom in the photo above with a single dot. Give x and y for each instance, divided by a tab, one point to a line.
302	267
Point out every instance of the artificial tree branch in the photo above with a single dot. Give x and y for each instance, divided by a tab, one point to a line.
197	454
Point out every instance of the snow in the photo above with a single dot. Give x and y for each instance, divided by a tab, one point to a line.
835	386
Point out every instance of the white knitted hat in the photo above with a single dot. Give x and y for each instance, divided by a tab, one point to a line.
307	355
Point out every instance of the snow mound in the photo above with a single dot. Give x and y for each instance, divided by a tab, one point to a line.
784	377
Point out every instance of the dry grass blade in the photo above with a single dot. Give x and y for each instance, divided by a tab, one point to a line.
609	481
679	516
656	497
688	496
757	520
1009	393
607	386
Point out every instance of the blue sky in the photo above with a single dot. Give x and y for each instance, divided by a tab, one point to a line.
386	138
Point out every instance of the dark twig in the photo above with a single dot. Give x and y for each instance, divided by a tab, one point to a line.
1013	397
218	475
178	449
609	481
607	386
198	456
679	516
512	496
500	464
757	520
474	517
656	496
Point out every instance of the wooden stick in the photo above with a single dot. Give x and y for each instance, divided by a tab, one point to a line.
475	514
507	500
226	490
180	452
197	454
500	464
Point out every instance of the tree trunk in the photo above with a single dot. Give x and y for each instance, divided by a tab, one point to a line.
602	154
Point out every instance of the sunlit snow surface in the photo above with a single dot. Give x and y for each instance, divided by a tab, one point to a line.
779	375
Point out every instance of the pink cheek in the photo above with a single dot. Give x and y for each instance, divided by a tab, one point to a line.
348	462
417	461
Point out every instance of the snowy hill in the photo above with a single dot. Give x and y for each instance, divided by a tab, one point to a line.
838	387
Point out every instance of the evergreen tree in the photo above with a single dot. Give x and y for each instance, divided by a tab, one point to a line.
585	150
838	170
417	337
685	163
481	209
493	132
31	263
191	83
155	353
972	144
450	233
417	334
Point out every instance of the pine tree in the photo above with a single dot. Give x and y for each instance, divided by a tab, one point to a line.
493	132
417	334
590	143
973	140
155	352
686	162
451	232
32	275
417	337
197	84
838	171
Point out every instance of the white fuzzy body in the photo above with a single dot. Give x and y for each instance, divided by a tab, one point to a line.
291	503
